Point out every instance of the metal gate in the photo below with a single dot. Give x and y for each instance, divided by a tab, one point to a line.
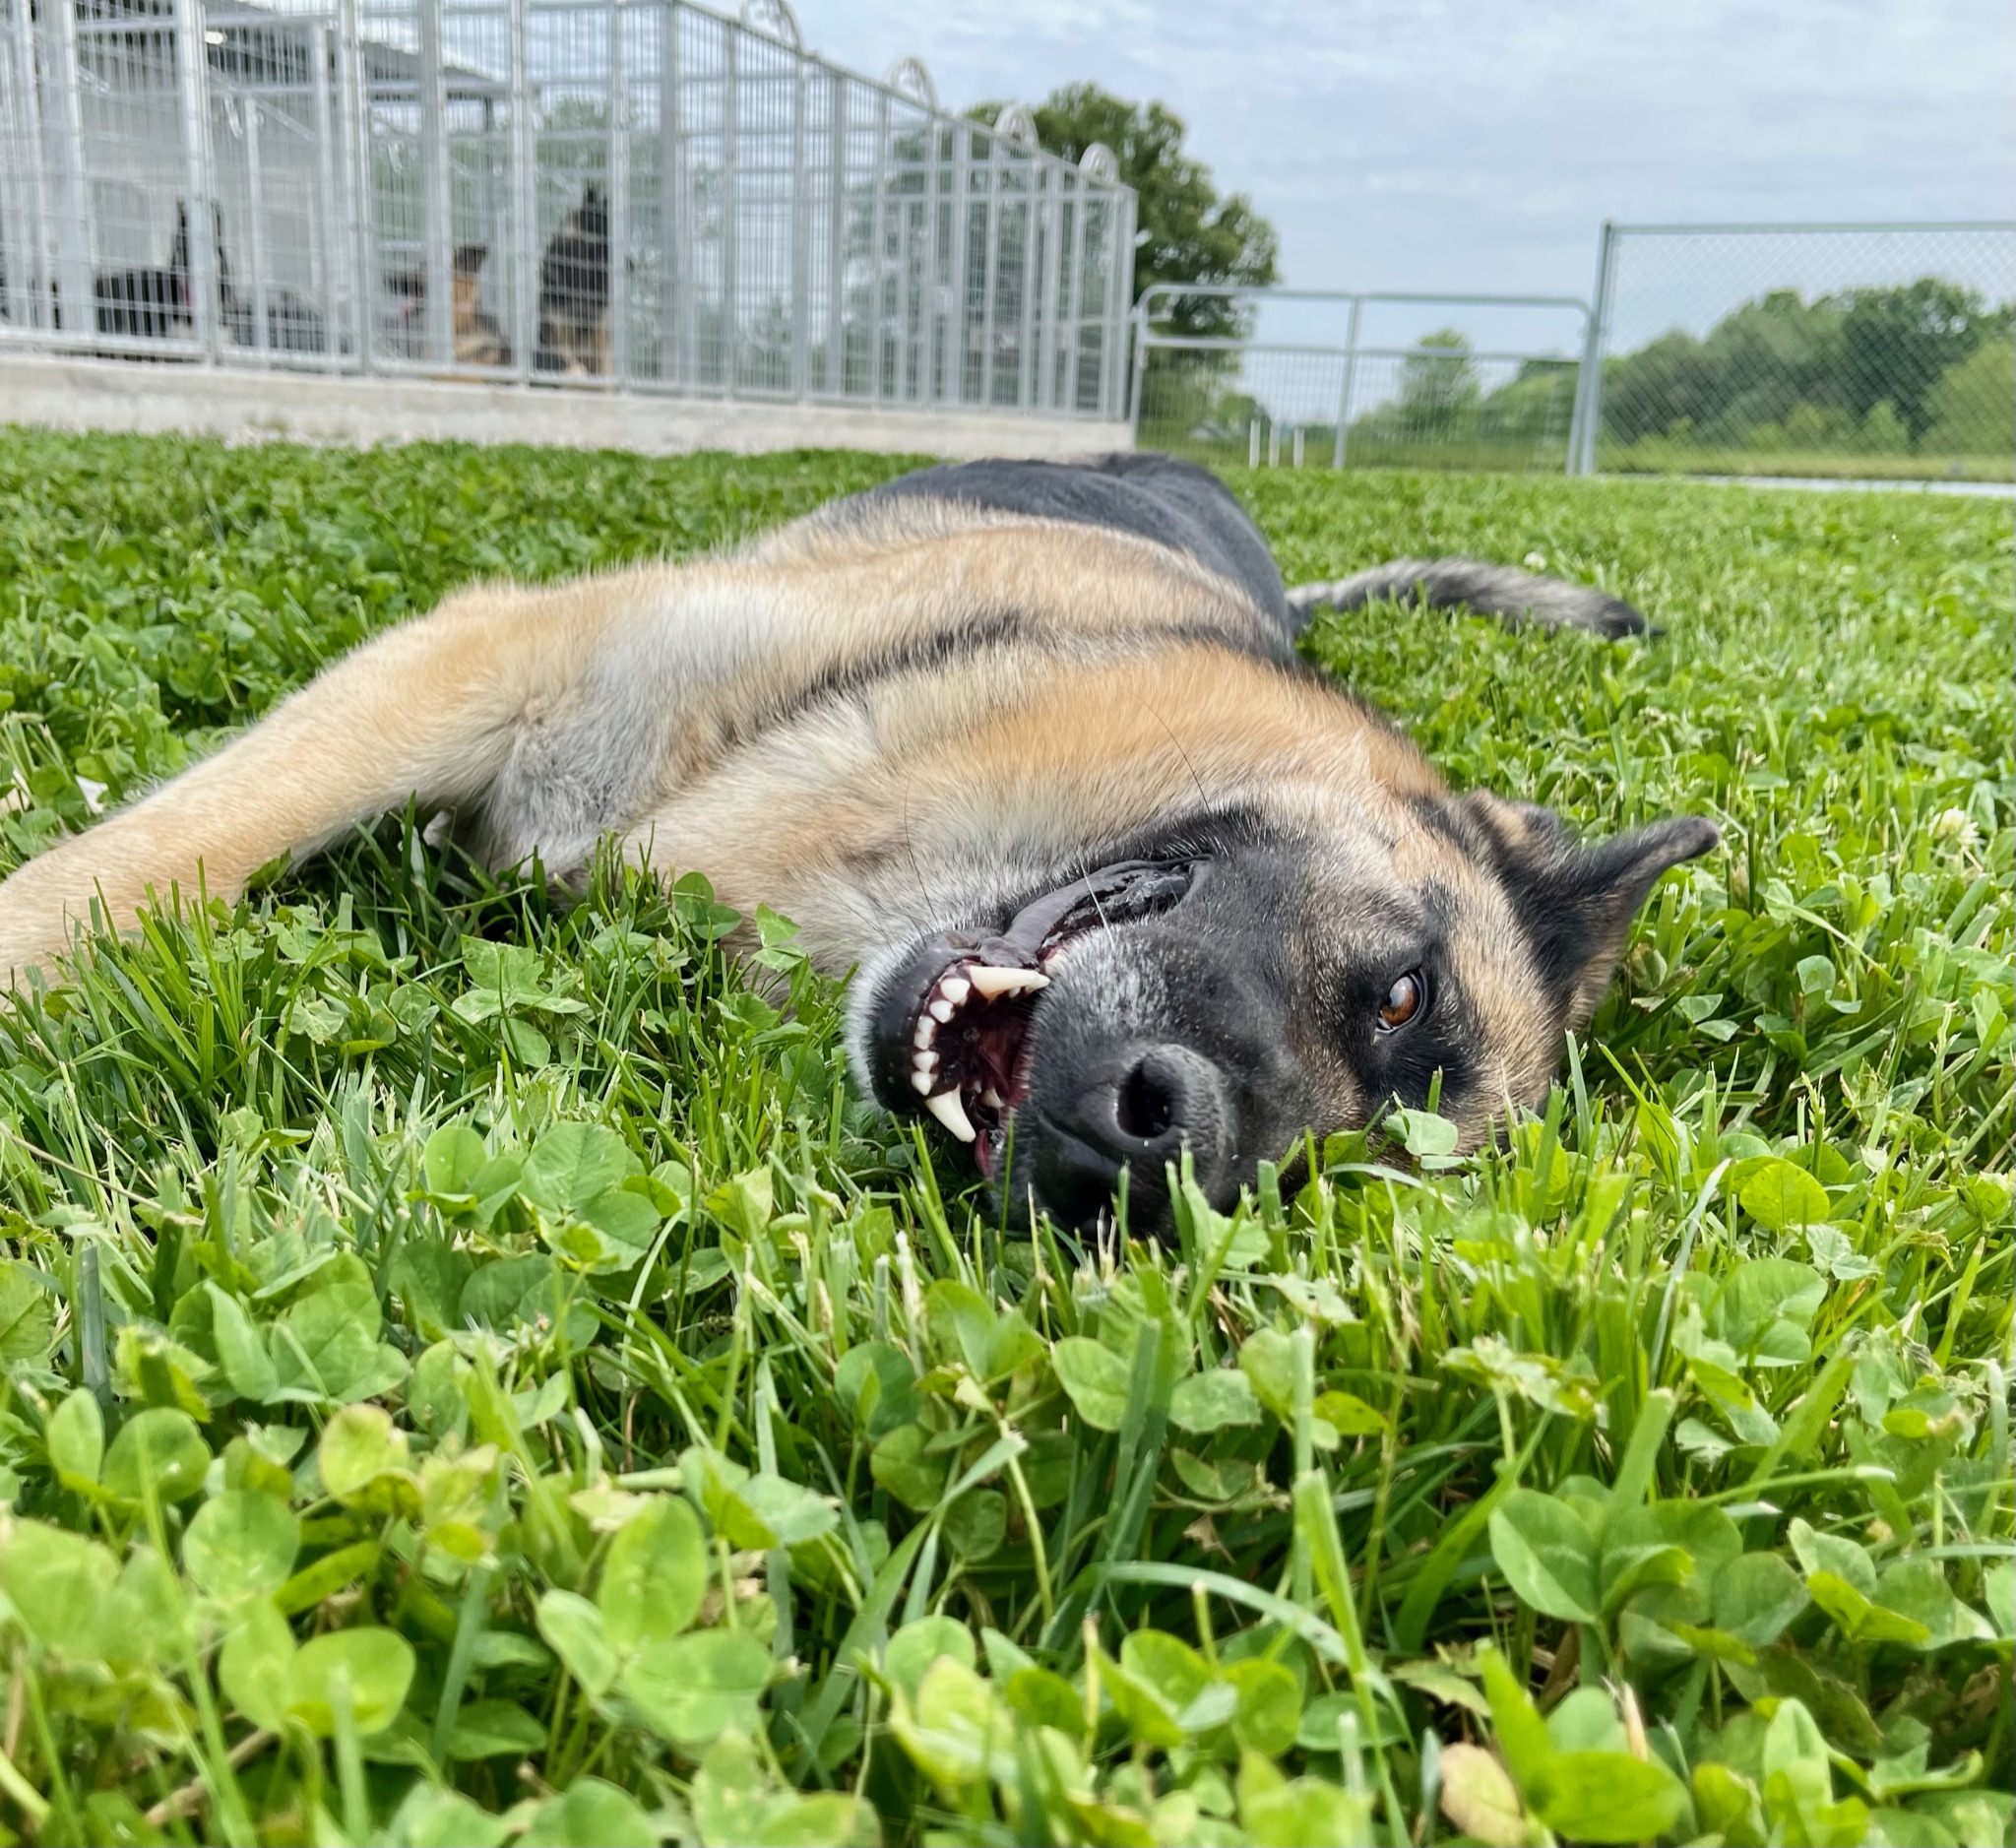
1343	396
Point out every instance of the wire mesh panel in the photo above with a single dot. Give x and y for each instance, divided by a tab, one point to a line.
1858	350
274	224
1438	401
628	194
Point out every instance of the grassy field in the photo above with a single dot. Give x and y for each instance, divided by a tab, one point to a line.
474	1372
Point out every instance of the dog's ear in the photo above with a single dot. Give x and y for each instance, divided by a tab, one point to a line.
1577	902
470	258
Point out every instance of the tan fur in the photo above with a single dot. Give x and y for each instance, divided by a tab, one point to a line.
436	708
479	338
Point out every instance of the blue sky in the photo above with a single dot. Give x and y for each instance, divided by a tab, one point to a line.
1433	143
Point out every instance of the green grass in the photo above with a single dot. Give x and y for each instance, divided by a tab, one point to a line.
1658	455
474	1372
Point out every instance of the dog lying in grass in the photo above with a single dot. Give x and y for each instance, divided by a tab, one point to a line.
1027	747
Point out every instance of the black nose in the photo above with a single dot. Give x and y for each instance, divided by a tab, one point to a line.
1137	1110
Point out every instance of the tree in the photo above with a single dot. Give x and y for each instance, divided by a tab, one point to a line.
1436	392
1971	405
1898	342
1857	370
1186	232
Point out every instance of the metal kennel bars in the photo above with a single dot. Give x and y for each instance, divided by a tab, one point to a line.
638	194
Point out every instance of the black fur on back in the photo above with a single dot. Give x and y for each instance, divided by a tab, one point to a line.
1174	503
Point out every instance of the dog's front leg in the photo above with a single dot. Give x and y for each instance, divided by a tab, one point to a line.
431	709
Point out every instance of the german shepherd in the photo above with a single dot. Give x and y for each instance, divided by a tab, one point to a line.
574	292
1027	747
477	332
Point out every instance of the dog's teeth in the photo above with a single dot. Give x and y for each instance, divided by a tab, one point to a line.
924	1061
923	1081
927	1031
991	1098
994	982
950	1112
955	989
941	1010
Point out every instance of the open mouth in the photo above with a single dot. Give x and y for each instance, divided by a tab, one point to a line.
956	1028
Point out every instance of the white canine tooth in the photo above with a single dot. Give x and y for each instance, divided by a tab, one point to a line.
924	1061
948	1110
923	1081
994	982
941	1010
927	1031
955	989
991	1098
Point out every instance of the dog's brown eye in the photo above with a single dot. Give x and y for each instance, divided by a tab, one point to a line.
1402	1002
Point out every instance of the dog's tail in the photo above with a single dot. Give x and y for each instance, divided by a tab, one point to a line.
1514	596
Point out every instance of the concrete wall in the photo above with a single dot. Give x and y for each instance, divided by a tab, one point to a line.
264	407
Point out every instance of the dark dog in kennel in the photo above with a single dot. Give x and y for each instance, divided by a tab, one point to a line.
574	292
148	303
158	303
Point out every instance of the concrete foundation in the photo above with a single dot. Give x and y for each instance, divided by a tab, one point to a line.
307	408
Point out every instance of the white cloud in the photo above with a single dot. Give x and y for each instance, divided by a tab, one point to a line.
1477	144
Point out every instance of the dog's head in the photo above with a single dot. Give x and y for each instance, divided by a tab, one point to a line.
1239	977
467	282
591	219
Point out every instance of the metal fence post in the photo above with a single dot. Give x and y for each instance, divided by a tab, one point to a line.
192	64
937	293
354	77
255	187
832	374
731	205
1026	331
619	238
1137	327
325	273
1582	434
1074	305
801	239
525	205
878	242
990	266
69	185
437	217
904	368
1119	295
675	315
37	280
1351	373
619	200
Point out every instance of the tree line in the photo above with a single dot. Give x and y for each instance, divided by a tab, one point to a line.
1925	366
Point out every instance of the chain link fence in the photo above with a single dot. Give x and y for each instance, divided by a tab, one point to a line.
632	193
1871	350
1312	378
